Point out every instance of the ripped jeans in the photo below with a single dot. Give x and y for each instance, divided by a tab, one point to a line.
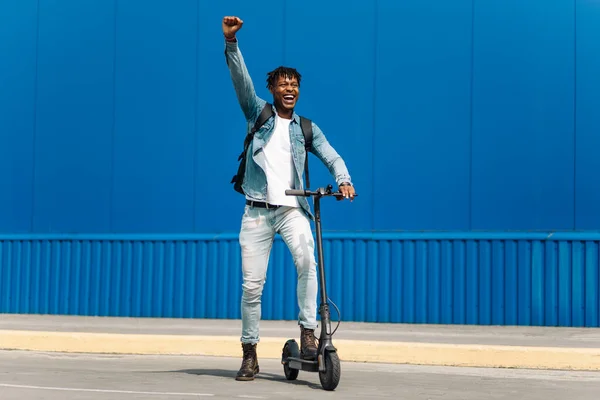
259	226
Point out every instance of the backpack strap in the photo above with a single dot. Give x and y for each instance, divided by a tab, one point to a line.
306	125
238	178
265	114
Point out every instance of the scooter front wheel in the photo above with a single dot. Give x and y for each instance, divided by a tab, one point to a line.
290	350
333	370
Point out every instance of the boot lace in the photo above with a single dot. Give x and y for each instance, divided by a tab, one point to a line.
309	338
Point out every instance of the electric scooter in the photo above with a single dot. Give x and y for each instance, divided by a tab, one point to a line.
327	363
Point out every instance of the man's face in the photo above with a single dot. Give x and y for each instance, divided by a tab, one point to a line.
286	92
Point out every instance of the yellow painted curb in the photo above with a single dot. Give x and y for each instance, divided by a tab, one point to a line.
348	350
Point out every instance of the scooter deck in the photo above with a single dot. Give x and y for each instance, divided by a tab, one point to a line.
304	365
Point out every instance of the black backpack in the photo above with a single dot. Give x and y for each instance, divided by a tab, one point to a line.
265	114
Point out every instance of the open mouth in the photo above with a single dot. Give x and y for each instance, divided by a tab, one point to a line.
289	98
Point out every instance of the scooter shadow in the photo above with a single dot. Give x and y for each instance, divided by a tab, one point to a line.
262	376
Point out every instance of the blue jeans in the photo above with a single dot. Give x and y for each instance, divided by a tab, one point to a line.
259	226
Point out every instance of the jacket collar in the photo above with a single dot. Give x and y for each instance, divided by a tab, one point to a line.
295	117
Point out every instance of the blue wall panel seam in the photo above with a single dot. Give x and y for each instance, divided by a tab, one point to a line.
374	109
35	104
196	117
575	114
543	236
283	31
470	221
111	189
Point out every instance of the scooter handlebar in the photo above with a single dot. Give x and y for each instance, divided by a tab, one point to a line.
308	193
296	192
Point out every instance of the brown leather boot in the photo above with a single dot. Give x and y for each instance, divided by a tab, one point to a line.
249	367
308	345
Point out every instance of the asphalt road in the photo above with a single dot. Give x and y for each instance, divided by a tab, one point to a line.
53	376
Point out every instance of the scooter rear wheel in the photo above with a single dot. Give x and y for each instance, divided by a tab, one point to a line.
290	350
331	376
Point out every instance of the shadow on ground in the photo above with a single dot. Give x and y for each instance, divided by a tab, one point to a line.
230	374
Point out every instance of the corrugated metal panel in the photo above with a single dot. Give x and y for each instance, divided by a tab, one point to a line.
522	279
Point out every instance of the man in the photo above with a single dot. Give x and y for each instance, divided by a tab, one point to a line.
275	162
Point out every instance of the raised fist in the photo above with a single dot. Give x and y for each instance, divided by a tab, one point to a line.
231	25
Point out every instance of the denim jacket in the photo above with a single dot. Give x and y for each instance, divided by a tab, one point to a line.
255	180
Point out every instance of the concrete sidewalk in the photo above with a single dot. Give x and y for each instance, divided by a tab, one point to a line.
456	345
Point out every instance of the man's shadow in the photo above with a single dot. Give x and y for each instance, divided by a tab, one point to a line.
262	376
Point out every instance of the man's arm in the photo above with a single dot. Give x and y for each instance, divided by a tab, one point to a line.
333	161
242	83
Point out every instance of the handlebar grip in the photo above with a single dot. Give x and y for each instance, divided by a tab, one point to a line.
295	192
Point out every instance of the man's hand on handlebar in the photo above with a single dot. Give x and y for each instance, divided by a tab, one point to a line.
347	192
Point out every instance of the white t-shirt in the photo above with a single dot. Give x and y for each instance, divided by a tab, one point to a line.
278	165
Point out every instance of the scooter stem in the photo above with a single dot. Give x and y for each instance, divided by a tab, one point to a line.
325	336
317	201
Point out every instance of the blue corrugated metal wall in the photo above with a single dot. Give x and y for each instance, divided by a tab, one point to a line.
517	279
118	117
